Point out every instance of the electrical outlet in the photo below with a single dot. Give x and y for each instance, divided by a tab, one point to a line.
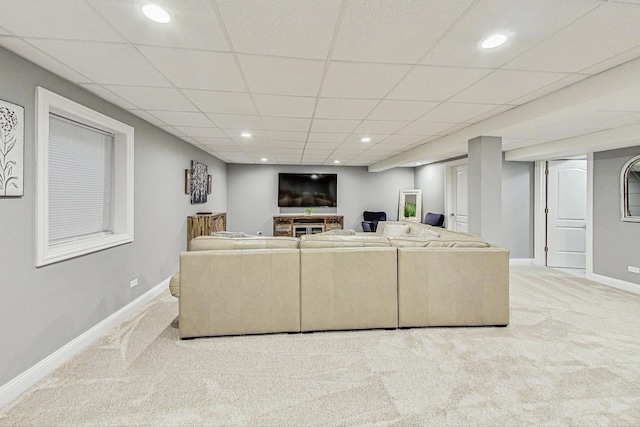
633	269
133	283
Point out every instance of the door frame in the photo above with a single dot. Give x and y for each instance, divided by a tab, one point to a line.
540	226
448	189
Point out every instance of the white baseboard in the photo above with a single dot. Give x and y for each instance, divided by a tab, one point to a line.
615	283
22	382
521	261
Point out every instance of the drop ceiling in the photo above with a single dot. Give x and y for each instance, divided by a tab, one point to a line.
309	79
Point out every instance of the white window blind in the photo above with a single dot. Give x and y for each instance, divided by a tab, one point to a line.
80	179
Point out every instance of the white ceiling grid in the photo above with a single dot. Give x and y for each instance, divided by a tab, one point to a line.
309	79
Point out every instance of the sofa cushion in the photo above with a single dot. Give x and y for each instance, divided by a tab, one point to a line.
211	243
428	233
328	241
394	230
339	232
434	242
174	285
383	224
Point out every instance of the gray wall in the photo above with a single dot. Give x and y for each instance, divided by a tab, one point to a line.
42	309
253	194
430	179
517	208
616	244
517	201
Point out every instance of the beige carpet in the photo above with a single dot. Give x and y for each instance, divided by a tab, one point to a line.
571	356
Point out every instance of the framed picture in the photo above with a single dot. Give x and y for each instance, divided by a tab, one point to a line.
11	149
187	181
209	184
198	182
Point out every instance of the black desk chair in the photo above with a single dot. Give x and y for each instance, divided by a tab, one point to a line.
371	219
436	220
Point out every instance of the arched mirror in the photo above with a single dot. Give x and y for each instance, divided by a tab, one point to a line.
630	190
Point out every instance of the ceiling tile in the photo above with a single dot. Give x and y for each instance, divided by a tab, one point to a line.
285	106
194	24
148	117
74	20
225	143
322	145
104	63
395	31
380	127
280	27
109	96
502	86
326	137
578	46
353	80
334	126
613	61
530	22
175	118
192	69
425	128
436	83
287	124
545	90
153	98
237	121
401	140
287	136
282	76
221	102
456	112
356	137
201	132
400	110
331	108
42	59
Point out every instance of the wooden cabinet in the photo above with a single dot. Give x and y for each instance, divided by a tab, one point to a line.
298	225
204	225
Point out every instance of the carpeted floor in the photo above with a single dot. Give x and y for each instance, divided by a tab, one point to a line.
571	356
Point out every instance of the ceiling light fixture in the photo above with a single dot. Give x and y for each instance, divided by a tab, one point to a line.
418	163
245	135
336	161
156	13
264	159
494	40
365	139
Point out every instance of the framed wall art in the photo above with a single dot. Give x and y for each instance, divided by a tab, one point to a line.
198	182
11	149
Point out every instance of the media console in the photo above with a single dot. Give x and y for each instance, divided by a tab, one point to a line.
295	225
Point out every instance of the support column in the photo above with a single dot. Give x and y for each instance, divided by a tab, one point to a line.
485	188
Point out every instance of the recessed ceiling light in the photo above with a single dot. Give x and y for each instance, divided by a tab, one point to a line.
494	40
336	161
418	163
245	135
264	159
365	139
156	13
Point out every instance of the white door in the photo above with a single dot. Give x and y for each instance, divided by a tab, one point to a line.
459	215
567	213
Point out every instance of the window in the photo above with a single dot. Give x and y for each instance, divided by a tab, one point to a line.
85	180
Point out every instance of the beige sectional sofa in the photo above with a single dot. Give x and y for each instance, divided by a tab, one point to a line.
405	275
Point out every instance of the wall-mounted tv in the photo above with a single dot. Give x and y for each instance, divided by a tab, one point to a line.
307	190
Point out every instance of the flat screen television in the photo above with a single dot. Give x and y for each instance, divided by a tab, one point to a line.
307	190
